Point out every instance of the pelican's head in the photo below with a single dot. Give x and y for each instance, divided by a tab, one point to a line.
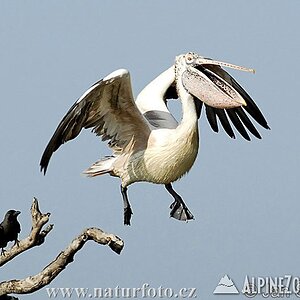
205	79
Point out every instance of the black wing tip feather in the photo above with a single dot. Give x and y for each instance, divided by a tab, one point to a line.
43	168
238	124
44	163
238	118
65	131
231	135
224	122
51	147
211	117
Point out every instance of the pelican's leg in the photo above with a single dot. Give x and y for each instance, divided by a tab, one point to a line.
127	207
179	210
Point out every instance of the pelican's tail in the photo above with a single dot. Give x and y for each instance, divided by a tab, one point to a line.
100	167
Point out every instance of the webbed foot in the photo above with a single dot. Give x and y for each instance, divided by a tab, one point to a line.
180	212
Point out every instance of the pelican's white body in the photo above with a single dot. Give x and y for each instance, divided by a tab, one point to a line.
170	153
163	161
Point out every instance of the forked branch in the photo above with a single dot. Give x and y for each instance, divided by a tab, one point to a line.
37	237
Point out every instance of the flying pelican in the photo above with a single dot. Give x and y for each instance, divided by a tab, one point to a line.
147	141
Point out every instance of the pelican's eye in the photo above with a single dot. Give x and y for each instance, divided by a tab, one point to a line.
189	58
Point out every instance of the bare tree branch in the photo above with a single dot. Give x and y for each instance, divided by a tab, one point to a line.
36	236
36	282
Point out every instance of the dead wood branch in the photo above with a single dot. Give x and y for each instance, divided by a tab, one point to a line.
36	237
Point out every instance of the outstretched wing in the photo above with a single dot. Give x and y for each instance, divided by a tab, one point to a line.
238	116
222	81
108	108
152	100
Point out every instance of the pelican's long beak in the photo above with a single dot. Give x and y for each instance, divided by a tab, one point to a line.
206	80
208	61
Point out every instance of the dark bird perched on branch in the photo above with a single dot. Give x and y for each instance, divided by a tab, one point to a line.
9	229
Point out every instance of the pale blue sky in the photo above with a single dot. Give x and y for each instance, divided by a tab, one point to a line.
244	195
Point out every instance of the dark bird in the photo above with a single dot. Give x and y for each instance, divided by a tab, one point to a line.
9	229
148	143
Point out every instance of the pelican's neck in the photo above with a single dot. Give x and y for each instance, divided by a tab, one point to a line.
189	120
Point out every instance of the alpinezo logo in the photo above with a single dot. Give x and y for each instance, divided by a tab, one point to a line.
271	286
226	286
275	287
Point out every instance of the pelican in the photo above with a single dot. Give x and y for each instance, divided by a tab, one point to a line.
147	142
